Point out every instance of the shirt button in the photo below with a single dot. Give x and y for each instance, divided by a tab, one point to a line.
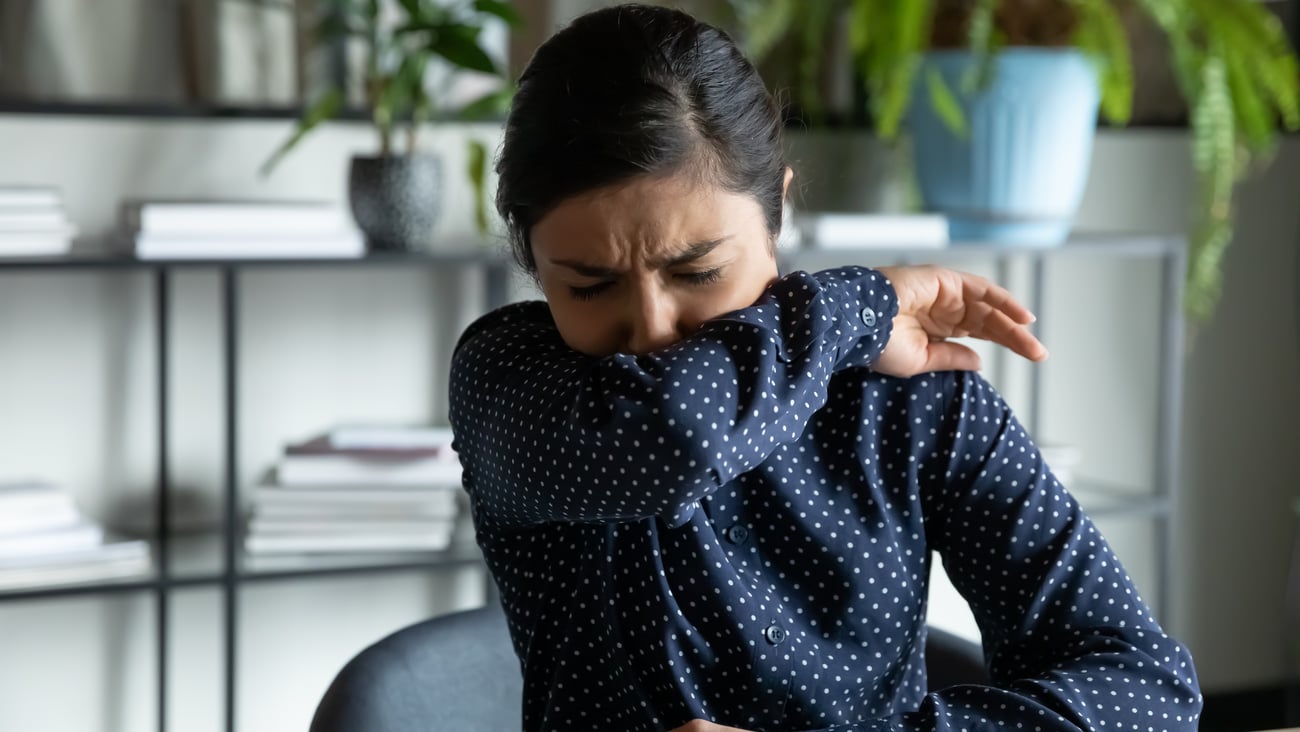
869	317
774	634
736	534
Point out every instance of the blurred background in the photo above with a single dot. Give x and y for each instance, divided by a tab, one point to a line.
200	284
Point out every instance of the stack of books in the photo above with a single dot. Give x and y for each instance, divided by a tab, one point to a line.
239	230
45	540
359	490
33	224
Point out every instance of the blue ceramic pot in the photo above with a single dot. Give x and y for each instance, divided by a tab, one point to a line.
1019	175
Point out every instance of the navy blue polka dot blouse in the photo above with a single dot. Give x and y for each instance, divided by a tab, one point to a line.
739	528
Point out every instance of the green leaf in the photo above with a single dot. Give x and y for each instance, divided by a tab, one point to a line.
946	104
1258	40
478	157
889	37
1214	154
493	105
403	88
1254	117
335	26
812	26
455	42
462	51
766	23
500	9
980	42
324	108
1101	36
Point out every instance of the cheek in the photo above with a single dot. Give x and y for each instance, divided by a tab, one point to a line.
586	327
704	304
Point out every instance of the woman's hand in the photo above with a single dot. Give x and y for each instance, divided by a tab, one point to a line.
699	725
935	304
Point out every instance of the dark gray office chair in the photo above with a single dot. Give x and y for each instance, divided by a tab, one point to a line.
459	673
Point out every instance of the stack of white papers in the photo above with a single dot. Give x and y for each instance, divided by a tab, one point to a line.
45	540
360	489
240	230
33	224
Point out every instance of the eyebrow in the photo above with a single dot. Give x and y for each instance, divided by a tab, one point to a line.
693	252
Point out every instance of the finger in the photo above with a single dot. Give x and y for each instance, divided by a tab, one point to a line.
986	323
1000	298
950	356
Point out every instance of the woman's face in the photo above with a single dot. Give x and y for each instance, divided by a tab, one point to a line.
638	266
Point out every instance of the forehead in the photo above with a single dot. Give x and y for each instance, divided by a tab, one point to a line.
644	217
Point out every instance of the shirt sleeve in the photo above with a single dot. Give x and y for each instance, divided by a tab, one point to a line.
1069	643
545	433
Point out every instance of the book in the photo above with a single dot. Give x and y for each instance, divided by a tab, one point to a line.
361	437
17	499
340	245
33	220
28	197
344	525
235	218
45	518
854	230
31	506
431	499
106	561
323	445
332	470
37	243
75	537
433	539
329	511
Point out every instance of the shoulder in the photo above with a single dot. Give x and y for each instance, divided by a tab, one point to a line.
533	316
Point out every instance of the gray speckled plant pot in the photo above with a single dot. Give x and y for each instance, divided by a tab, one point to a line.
396	200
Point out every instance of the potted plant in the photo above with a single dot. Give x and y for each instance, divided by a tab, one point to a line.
394	195
1001	98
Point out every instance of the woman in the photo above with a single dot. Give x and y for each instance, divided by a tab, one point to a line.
708	493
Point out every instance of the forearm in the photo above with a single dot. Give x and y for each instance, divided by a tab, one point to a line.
1064	627
546	433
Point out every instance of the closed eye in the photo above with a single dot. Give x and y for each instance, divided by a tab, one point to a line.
590	291
706	277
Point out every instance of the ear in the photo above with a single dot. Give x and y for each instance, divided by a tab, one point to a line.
785	187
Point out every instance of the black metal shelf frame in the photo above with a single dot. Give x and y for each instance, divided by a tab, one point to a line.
231	575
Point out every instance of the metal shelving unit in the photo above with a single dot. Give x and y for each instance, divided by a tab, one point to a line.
215	560
184	562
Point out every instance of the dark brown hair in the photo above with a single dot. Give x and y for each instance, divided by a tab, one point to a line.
634	90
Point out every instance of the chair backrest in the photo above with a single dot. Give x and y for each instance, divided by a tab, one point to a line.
455	672
459	672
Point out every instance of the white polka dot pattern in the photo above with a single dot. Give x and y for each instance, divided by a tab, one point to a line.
738	528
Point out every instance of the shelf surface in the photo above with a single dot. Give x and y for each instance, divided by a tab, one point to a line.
457	252
195	561
1099	499
1107	245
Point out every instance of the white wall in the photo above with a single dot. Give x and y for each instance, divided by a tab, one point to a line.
77	369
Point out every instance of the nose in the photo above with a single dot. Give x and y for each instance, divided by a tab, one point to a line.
653	323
